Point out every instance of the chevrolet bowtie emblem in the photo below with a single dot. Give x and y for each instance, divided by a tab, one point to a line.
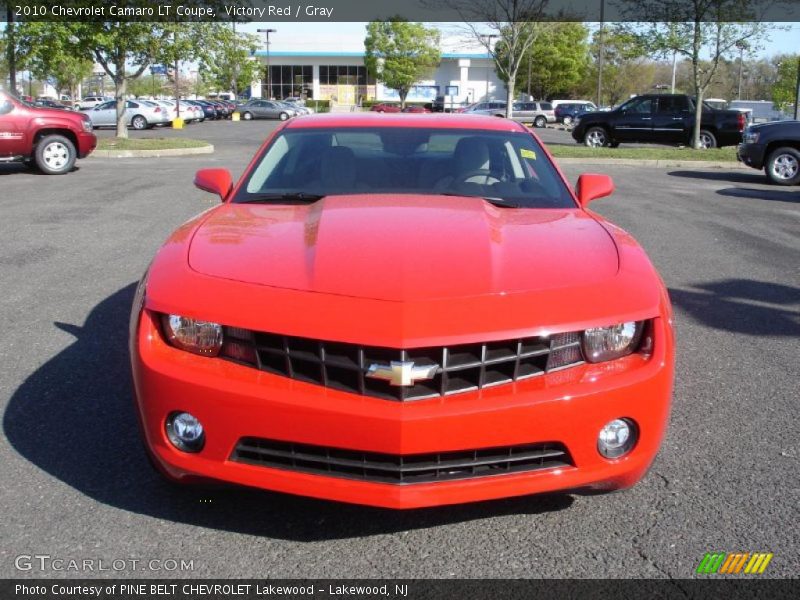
401	372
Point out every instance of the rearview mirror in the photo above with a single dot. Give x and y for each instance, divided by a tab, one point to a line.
592	186
216	181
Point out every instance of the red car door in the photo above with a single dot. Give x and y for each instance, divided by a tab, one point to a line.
12	127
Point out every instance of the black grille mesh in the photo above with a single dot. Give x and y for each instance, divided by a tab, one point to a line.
344	366
397	468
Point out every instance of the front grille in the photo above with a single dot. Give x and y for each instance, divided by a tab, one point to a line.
401	468
461	368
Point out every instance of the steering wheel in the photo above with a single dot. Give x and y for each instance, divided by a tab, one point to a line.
485	173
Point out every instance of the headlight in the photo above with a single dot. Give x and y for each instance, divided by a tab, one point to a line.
87	125
576	121
199	337
750	137
607	343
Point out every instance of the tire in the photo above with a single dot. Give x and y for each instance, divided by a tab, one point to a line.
707	139
247	116
567	120
540	122
55	155
139	123
595	137
283	116
783	166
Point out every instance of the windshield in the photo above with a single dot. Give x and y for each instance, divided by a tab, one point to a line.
505	167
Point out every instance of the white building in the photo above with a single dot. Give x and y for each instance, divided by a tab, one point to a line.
341	76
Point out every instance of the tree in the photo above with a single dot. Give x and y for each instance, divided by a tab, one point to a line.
514	23
400	53
226	59
626	68
785	87
705	32
56	60
556	62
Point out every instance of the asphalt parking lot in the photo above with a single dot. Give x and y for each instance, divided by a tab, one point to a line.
76	484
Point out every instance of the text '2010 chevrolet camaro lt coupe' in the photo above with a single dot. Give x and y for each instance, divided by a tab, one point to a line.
402	311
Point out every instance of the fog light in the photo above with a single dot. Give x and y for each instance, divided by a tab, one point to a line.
617	438
185	432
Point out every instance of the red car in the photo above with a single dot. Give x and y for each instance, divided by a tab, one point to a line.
386	107
416	108
403	311
51	138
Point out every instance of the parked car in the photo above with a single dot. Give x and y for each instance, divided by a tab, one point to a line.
299	105
774	147
484	107
371	385
92	101
223	111
536	113
52	139
209	112
47	103
264	109
566	112
659	119
416	108
386	107
139	114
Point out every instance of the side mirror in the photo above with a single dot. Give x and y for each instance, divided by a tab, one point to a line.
591	187
6	107
216	181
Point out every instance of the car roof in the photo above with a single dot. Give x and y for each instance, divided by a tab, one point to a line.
436	121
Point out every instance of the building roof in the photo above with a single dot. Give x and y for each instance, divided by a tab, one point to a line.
359	54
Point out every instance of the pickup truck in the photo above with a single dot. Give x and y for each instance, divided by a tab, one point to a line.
774	147
659	119
49	137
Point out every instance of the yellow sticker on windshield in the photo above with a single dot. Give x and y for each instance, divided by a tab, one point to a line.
528	153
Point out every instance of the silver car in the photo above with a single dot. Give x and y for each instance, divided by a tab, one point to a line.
538	114
265	109
139	114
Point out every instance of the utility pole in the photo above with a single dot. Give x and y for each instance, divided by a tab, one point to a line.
488	37
601	53
797	93
674	68
266	32
742	46
177	85
11	50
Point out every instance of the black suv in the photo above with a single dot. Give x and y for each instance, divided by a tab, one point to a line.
774	147
659	119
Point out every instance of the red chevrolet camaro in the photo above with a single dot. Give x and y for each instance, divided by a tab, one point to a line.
403	311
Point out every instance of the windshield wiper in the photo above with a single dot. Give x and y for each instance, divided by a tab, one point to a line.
285	197
502	202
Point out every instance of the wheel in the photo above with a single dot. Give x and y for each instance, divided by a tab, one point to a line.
707	139
567	120
247	116
284	116
55	155
595	137
783	166
540	122
139	122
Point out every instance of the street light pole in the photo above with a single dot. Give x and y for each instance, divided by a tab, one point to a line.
600	53
266	33
488	37
742	46
11	51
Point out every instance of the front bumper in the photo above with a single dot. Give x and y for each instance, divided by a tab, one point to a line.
87	142
751	154
569	406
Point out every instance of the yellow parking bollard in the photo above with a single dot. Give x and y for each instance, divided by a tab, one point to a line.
235	116
177	123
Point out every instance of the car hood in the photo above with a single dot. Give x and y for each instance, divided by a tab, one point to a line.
403	248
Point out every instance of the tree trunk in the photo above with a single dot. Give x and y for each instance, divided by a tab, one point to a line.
698	116
403	95
121	85
510	96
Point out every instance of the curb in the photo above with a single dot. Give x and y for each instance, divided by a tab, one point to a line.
665	163
208	149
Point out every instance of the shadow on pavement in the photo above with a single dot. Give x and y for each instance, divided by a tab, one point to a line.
740	306
728	175
777	194
74	418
